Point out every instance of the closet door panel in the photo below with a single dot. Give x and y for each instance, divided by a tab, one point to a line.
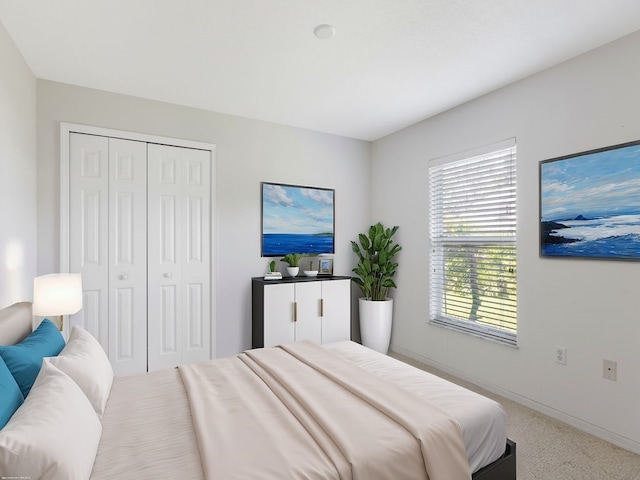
165	252
88	230
122	325
196	268
168	321
179	258
128	256
196	340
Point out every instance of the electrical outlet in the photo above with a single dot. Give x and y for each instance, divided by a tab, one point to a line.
561	355
610	370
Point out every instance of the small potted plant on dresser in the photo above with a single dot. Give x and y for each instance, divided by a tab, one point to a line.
293	260
374	276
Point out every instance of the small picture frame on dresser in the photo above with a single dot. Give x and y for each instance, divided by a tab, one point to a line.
325	266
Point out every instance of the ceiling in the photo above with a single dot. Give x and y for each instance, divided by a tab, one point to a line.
390	64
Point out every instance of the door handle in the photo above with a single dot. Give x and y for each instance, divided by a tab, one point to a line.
295	311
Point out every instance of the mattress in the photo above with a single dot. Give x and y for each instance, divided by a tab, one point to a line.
148	429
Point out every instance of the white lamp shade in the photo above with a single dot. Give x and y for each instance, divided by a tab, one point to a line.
57	294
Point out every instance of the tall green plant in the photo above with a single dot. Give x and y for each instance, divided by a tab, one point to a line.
376	268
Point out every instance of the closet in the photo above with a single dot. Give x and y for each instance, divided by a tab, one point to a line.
139	223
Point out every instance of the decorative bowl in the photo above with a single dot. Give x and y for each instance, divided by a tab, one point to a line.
311	273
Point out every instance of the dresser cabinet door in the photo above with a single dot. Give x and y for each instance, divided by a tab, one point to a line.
279	305
308	324
336	310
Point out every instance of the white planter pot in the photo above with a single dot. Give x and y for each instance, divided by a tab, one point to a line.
375	323
293	271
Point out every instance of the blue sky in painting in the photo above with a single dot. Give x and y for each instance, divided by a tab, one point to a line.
598	184
288	209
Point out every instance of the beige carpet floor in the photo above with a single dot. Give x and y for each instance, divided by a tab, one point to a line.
552	450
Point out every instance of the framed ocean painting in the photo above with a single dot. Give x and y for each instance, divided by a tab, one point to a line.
590	204
297	219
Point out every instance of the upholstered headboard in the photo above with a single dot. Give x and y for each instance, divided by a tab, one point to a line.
16	322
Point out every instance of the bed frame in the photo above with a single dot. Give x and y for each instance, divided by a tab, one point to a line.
16	322
502	469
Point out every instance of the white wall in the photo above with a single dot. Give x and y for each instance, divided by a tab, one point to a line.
248	152
590	307
17	175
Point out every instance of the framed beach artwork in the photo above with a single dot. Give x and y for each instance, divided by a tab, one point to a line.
325	266
297	219
590	204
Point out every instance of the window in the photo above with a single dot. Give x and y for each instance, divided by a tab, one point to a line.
472	212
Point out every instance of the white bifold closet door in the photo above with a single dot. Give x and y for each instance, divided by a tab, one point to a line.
179	255
139	233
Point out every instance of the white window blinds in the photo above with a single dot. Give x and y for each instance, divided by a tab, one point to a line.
472	283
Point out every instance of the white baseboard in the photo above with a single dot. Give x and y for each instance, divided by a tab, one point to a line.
611	437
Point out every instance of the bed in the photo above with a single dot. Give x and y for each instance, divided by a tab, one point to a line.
295	411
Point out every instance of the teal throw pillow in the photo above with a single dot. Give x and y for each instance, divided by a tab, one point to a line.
10	395
25	358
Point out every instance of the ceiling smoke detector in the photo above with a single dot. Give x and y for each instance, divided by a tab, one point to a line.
324	31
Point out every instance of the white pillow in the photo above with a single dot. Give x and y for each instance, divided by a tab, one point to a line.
54	434
84	360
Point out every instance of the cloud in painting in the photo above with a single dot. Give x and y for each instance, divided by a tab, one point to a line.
277	195
292	209
319	196
595	184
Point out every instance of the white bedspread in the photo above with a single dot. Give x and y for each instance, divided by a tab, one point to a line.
483	421
148	429
317	416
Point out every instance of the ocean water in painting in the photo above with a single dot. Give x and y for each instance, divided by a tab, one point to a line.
615	236
590	204
282	243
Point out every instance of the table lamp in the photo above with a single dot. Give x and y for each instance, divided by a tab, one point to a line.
57	294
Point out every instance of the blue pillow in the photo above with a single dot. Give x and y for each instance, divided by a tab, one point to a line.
25	358
10	395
